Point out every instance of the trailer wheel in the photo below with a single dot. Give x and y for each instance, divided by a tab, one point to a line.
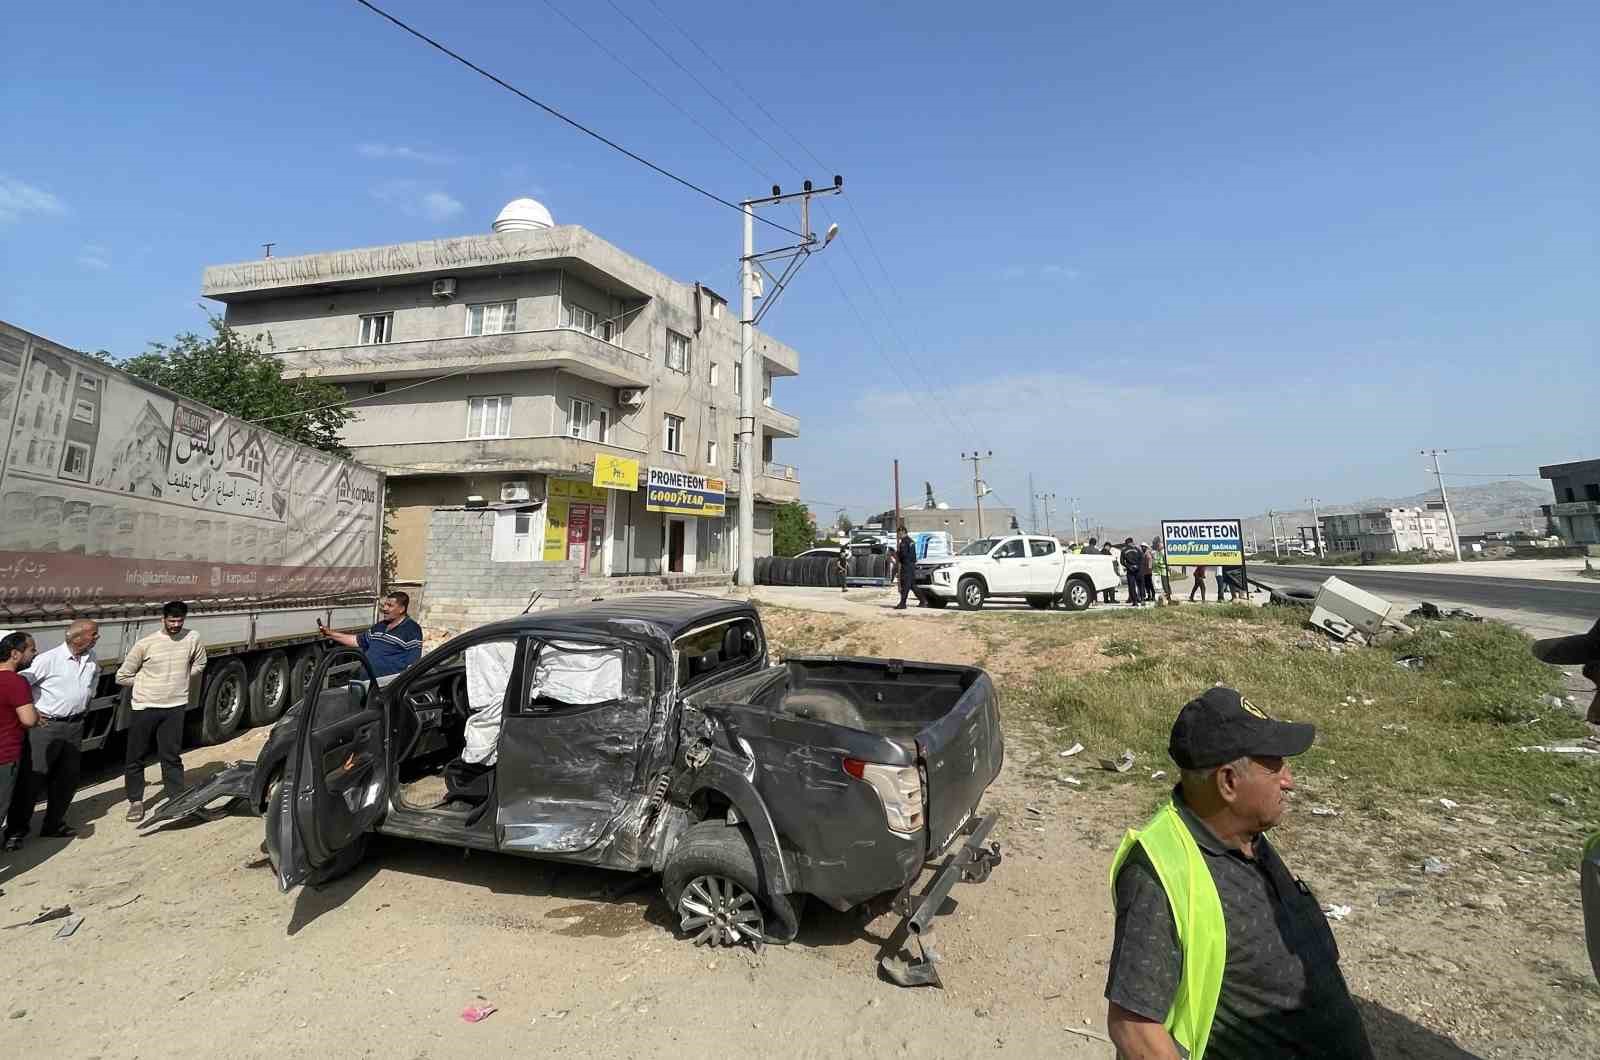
301	669
225	701
269	687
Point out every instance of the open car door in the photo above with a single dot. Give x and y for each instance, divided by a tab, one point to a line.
336	780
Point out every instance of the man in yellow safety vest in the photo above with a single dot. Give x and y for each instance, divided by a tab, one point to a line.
1219	952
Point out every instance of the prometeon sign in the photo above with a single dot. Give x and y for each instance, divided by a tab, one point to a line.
680	493
1203	542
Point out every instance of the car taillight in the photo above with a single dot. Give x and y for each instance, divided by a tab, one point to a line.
899	788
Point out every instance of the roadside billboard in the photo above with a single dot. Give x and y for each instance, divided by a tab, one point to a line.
1203	542
680	493
116	491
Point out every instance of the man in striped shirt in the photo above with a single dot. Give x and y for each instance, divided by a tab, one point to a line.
393	643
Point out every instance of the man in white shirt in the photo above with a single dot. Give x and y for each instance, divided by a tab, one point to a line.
63	681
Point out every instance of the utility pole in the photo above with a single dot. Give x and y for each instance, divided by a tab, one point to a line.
1272	528
1073	501
1444	496
1049	500
751	267
897	519
1316	524
977	482
1033	508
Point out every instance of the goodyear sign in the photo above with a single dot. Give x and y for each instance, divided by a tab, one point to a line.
1203	542
679	493
615	472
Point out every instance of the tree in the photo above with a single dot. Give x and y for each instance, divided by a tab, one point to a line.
792	529
231	372
844	524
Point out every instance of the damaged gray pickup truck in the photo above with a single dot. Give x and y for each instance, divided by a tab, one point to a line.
647	735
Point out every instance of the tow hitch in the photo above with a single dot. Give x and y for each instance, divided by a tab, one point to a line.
970	863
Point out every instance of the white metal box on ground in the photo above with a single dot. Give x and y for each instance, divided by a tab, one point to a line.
1361	609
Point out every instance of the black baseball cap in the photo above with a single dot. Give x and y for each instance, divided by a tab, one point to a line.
1576	650
1220	725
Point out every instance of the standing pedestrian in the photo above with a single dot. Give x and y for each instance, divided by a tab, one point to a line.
906	565
1132	566
63	681
17	715
1222	583
1199	576
160	668
1218	949
393	643
843	563
1147	573
1160	553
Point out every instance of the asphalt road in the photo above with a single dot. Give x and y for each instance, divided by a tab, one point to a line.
1578	599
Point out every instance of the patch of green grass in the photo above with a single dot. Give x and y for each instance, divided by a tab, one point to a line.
1120	647
1465	713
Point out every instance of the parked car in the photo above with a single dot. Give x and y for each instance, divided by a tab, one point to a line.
653	734
1035	569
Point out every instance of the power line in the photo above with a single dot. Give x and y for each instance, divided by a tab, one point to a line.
553	112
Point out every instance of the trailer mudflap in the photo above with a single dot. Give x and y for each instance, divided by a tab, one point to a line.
232	783
971	862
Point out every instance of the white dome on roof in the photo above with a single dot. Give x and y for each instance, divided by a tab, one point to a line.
523	215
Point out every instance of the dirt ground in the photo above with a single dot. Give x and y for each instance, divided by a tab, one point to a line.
188	949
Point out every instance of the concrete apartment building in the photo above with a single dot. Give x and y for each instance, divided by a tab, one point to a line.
499	366
1576	511
1386	530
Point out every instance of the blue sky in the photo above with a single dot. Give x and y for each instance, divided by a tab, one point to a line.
1172	261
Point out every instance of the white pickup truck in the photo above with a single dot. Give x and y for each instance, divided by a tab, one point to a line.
1037	569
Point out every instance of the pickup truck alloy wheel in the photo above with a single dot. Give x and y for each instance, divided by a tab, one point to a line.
718	911
1078	595
971	595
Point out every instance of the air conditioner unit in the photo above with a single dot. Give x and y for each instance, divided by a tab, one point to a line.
632	398
514	490
445	288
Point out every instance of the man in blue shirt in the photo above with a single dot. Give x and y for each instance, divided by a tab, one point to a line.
393	643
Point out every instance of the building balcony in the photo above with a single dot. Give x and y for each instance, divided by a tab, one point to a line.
553	455
777	483
776	423
778	358
564	348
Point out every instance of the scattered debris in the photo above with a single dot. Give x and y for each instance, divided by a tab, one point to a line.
558	1014
1447	635
1448	804
1086	1034
1410	662
125	902
1390	897
1560	800
69	928
1076	748
1159	774
1397	728
1350	700
1121	765
1426	610
1563	749
1074	781
477	1013
1368	702
1432	866
1337	912
1034	810
1324	811
58	913
17	1014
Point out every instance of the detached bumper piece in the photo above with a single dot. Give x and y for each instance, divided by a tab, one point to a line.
232	783
970	863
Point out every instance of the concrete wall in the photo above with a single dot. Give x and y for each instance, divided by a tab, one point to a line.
464	588
412	501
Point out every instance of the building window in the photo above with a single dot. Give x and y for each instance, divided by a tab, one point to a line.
714	376
735	452
489	417
711	453
603	418
491	318
88	383
83	411
766	389
578	418
677	351
376	328
75	462
1591	492
581	319
672	433
716	309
